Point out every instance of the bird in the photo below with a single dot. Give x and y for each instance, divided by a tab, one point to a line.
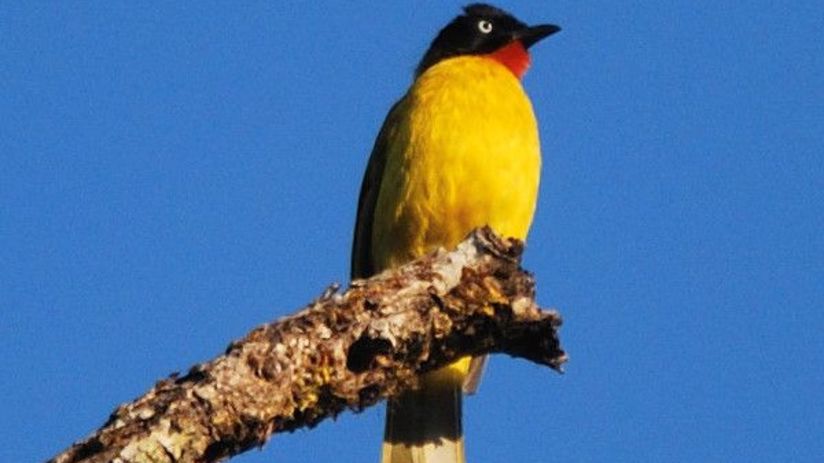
460	150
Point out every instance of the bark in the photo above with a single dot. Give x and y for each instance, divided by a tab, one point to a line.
344	351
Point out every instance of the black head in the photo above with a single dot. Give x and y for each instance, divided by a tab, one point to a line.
480	30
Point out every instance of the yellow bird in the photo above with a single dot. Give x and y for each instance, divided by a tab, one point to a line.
459	151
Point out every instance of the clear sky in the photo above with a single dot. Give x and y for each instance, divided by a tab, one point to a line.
173	174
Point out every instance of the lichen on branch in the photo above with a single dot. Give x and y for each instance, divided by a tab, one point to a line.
345	350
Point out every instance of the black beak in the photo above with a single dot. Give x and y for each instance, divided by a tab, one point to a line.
529	36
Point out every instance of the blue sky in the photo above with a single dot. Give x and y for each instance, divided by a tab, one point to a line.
172	175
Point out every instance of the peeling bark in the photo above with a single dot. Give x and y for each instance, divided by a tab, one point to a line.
344	351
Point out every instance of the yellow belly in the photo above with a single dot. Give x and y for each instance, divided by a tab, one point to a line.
465	154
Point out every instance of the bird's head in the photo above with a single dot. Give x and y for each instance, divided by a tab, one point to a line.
486	30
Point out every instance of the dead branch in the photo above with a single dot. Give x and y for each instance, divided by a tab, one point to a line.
344	351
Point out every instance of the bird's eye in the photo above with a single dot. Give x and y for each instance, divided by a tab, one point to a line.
485	26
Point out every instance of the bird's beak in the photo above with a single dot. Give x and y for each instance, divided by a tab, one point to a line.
529	36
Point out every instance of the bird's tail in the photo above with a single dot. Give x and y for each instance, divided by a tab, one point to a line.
424	425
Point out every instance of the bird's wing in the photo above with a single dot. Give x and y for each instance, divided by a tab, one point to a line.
476	372
362	263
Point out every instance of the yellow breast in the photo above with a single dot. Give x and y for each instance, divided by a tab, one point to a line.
464	153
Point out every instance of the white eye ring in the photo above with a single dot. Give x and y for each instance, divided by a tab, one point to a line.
485	26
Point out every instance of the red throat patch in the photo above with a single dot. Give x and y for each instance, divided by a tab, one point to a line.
514	56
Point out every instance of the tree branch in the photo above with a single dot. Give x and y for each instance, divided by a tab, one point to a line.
345	350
